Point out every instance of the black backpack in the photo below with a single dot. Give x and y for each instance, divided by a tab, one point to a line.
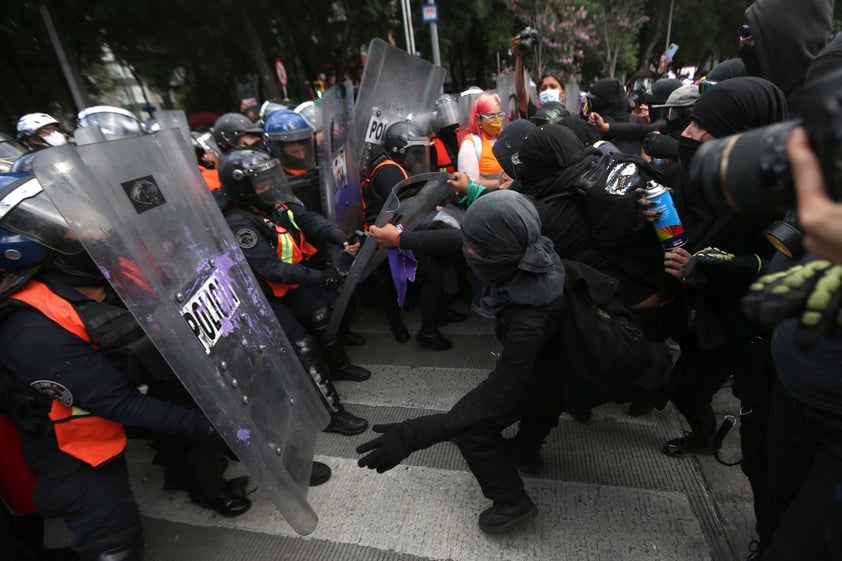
607	351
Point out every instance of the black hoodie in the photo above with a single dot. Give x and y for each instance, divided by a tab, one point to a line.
787	36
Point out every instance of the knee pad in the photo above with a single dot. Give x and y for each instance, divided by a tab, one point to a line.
125	546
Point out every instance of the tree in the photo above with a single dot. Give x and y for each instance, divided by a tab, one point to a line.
566	28
617	25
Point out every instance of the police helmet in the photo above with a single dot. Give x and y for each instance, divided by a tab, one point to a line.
26	210
407	145
312	113
447	112
230	127
29	125
550	113
252	178
290	139
114	122
23	164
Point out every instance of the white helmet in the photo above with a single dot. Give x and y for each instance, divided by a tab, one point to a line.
29	124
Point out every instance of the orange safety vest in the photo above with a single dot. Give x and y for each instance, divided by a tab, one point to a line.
289	250
211	177
443	161
489	167
367	180
89	438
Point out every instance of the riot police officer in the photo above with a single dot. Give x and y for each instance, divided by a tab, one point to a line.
290	139
68	356
234	130
40	130
274	231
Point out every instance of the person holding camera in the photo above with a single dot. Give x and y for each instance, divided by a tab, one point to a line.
550	85
722	258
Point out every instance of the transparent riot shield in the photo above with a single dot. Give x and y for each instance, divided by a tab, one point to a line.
340	180
88	135
411	203
395	86
142	211
175	120
508	96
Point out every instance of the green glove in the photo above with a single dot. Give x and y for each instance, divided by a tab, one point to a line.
812	292
713	264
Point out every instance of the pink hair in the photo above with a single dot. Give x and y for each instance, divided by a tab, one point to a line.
483	105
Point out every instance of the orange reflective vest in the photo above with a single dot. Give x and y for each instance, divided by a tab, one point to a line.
489	167
443	160
364	183
89	438
290	250
211	177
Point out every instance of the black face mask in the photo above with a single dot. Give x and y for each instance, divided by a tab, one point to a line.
748	54
687	148
676	126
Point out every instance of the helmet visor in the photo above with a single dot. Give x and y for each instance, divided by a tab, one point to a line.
416	156
113	125
26	210
295	149
269	182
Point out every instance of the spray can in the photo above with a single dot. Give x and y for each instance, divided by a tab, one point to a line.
668	227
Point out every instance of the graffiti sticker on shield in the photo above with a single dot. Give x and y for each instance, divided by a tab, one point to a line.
209	310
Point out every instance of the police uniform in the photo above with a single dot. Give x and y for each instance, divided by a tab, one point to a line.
73	432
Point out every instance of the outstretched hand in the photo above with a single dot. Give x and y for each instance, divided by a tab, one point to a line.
385	451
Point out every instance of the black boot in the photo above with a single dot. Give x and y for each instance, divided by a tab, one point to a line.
341	421
319	474
340	367
503	516
431	337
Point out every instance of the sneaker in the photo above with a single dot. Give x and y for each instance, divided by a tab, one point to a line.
501	517
688	445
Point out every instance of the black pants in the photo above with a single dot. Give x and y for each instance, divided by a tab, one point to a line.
95	503
805	469
536	402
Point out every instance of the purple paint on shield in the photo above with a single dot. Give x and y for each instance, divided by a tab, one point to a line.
243	435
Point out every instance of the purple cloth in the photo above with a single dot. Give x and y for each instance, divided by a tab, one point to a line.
403	265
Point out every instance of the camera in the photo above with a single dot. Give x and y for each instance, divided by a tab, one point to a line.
748	173
528	39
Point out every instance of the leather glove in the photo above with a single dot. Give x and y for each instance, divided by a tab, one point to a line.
399	440
332	278
812	292
660	146
712	264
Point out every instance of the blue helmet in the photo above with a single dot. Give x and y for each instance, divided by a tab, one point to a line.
290	139
17	252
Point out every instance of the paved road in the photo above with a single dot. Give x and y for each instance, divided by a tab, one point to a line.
606	494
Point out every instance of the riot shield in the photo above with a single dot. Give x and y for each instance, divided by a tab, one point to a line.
142	211
175	120
508	96
340	180
411	203
396	86
88	135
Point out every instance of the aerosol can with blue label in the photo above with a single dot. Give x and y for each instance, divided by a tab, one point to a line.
668	226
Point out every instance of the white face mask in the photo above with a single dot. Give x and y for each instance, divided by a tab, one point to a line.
55	138
547	96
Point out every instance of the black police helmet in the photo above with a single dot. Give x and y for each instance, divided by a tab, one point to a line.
239	171
231	126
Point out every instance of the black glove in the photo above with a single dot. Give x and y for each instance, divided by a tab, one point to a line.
660	146
812	291
332	278
713	264
399	440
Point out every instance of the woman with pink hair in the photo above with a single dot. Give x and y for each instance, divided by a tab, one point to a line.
484	126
